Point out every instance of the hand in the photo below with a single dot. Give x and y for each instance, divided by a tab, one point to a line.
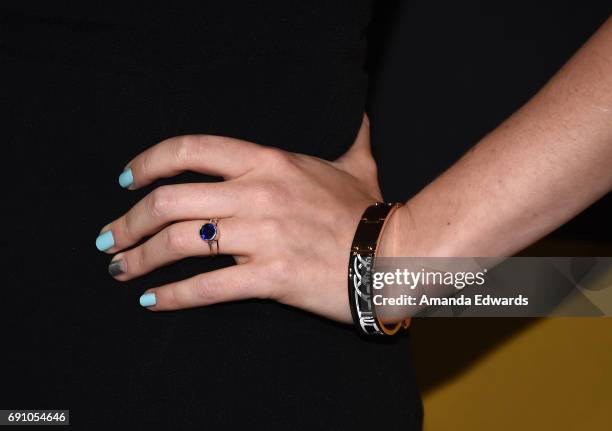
288	220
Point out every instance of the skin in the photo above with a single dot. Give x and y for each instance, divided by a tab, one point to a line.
270	197
541	167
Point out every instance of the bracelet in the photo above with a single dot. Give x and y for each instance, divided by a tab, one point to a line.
361	259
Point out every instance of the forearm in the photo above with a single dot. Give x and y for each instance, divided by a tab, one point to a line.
540	168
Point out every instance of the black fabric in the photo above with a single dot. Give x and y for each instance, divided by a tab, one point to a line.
85	88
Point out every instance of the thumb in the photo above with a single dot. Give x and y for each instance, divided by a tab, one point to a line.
358	160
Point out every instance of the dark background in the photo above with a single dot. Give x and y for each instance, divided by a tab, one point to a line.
443	74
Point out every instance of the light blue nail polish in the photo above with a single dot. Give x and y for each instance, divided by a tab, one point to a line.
105	240
126	178
148	299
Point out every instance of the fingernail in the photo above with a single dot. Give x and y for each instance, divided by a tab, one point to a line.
148	299
116	267
126	178
105	240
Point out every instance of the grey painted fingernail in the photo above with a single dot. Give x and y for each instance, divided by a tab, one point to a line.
116	267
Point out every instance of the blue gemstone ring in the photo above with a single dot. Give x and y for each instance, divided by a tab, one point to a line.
209	232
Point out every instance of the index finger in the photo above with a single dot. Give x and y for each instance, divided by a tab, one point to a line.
207	154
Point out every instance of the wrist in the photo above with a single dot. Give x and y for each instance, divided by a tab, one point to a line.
392	236
416	231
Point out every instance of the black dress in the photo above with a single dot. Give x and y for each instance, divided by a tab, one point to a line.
85	89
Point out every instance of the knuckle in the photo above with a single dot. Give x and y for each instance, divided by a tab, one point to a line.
145	166
175	239
205	290
269	194
179	295
263	194
184	149
125	227
279	158
270	227
160	201
135	260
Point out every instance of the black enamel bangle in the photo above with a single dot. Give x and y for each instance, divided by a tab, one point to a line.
361	260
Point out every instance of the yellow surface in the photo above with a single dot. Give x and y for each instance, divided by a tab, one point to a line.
545	374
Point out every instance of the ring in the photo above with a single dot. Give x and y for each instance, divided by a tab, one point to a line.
209	232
